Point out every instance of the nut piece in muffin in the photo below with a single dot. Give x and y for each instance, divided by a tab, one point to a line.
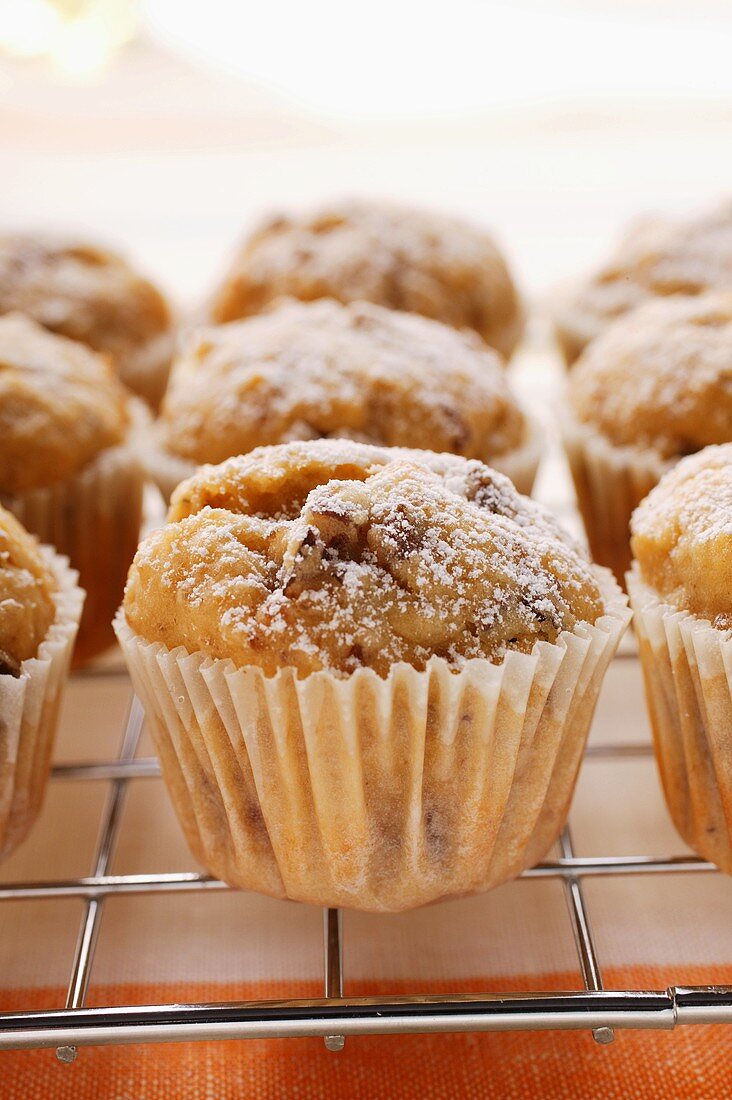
681	590
682	536
369	672
656	386
396	556
67	467
27	585
394	256
40	607
91	295
657	258
358	371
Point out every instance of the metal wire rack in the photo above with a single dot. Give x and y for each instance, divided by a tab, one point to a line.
335	1016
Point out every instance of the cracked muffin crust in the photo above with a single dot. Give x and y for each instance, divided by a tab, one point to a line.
682	536
394	256
680	586
69	469
40	608
657	258
27	587
308	370
91	295
661	378
657	385
60	405
336	555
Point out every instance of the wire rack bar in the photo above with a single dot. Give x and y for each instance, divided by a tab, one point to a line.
103	885
147	767
334	1016
96	886
333	952
333	966
621	750
108	829
583	937
580	921
637	1009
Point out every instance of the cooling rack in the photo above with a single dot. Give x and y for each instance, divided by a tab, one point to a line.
334	1016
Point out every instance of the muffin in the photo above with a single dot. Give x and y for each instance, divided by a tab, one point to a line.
68	464
369	672
655	387
681	590
91	295
40	605
322	369
657	258
391	255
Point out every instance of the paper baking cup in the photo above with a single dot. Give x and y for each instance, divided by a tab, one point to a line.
146	370
687	670
574	328
573	336
521	465
162	467
29	706
94	519
167	470
610	483
370	793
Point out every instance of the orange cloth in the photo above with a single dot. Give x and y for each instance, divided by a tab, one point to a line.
692	1062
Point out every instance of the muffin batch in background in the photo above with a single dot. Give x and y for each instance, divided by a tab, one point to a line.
369	663
681	591
369	672
92	295
322	369
656	259
391	255
656	386
40	605
68	463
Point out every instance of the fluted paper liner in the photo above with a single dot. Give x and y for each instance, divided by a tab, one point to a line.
146	369
522	463
687	670
370	793
94	519
167	470
570	342
29	706
610	483
572	330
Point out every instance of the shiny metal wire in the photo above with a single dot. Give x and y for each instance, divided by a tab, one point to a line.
336	1015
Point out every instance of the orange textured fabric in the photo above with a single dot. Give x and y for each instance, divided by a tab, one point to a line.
692	1062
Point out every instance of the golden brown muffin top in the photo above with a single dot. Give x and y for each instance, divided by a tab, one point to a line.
682	535
337	555
60	404
27	608
395	256
84	292
308	370
656	258
661	378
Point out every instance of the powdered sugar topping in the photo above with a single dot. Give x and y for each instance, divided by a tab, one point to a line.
279	559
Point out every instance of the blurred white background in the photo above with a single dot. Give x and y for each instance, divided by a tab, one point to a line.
169	125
